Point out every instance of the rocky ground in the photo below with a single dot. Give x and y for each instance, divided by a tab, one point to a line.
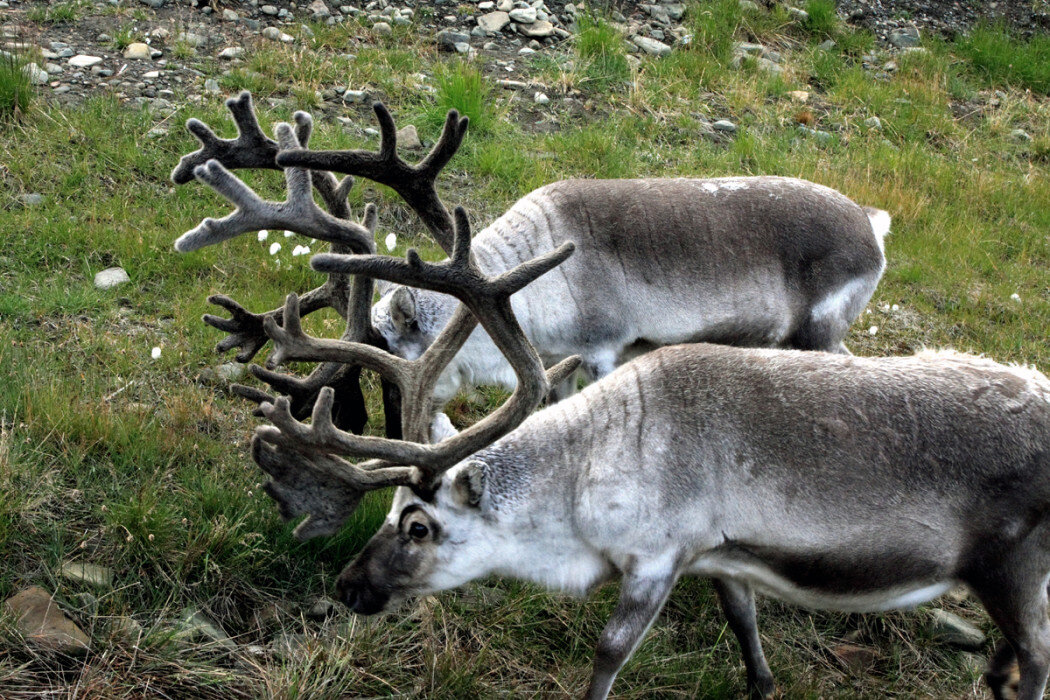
158	51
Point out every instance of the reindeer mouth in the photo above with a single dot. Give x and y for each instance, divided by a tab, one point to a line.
363	599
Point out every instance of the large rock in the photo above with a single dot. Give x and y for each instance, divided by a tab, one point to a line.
538	29
524	15
84	61
111	277
137	50
448	39
37	75
651	46
948	628
408	137
903	38
37	616
85	572
195	625
494	22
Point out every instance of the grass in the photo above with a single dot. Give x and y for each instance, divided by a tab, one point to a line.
600	48
59	12
1002	59
16	89
460	85
139	464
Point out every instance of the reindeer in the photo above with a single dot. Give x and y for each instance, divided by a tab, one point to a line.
828	480
755	261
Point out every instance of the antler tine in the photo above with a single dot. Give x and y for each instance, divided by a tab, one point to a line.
251	148
290	343
297	213
414	183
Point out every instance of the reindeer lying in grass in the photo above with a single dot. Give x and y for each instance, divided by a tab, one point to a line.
827	480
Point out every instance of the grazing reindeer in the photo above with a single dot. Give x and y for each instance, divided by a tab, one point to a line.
757	261
858	484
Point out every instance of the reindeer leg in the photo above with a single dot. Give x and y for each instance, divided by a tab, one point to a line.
738	605
1016	598
641	599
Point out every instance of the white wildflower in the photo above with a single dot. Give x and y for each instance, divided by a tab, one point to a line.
274	247
896	307
155	353
289	234
300	250
885	307
873	330
263	234
391	241
1015	296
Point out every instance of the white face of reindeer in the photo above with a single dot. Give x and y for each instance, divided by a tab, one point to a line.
410	319
424	546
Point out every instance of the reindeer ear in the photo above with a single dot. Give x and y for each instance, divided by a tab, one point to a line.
469	484
403	307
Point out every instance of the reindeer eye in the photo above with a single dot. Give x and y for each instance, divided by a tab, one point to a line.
418	531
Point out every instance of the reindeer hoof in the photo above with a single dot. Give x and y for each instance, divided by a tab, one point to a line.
1004	681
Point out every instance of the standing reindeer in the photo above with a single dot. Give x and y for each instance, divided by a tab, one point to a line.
756	261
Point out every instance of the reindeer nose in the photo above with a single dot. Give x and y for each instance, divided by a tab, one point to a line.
349	592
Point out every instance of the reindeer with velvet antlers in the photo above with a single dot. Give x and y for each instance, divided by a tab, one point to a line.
828	480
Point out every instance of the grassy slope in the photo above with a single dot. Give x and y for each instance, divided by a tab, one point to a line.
154	481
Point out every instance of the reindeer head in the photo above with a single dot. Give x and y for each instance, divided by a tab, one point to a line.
411	319
306	460
425	545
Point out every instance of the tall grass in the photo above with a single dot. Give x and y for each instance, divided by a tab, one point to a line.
1000	57
600	48
16	89
714	24
821	19
460	85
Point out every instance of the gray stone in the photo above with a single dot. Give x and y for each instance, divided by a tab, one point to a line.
539	30
38	617
111	277
827	45
541	98
651	46
195	625
86	572
317	8
212	85
904	37
950	629
137	51
494	22
230	15
37	75
747	47
873	123
268	10
290	644
675	10
523	15
84	61
407	137
855	658
798	14
382	28
321	610
230	371
355	96
504	5
232	52
447	39
155	4
724	125
194	40
1020	135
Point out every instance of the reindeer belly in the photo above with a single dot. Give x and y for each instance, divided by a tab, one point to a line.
849	579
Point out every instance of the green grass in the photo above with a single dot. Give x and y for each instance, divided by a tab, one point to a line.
822	20
601	51
16	89
460	85
110	456
59	12
126	36
1002	59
